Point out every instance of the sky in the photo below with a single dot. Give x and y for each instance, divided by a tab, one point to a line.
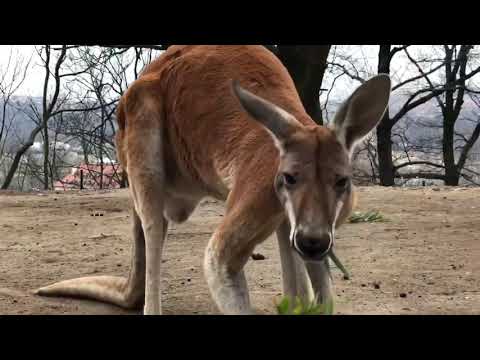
364	56
33	83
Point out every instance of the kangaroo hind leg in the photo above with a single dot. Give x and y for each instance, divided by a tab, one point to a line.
146	173
142	151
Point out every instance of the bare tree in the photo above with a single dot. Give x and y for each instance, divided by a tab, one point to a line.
49	105
386	167
95	93
12	76
459	65
54	102
419	92
307	64
381	157
384	129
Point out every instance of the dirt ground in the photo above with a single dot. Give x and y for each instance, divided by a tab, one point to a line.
424	260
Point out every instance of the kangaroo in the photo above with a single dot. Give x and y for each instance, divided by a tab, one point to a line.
227	122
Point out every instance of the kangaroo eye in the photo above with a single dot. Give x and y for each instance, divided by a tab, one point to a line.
289	179
342	183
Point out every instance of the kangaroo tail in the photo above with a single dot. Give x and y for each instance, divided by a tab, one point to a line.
127	293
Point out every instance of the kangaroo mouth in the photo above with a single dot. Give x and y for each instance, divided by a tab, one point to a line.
313	257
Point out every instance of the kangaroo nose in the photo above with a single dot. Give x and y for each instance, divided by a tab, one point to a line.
313	247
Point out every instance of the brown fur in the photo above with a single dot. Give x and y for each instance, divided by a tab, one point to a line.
183	135
227	137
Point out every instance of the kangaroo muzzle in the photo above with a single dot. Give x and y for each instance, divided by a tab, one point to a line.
312	247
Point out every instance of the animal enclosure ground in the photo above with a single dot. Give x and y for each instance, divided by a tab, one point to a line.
425	260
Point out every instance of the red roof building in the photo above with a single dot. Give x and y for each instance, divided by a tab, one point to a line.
94	178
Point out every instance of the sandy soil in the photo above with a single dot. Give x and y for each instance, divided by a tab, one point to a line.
425	260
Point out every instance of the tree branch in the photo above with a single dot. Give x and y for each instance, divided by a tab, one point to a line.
421	175
411	163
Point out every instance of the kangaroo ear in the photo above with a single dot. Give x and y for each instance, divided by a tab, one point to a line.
362	112
280	123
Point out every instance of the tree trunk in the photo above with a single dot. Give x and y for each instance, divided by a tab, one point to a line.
307	65
46	148
384	129
452	177
123	180
384	151
18	156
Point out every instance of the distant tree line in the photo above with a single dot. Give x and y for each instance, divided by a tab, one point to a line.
82	85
